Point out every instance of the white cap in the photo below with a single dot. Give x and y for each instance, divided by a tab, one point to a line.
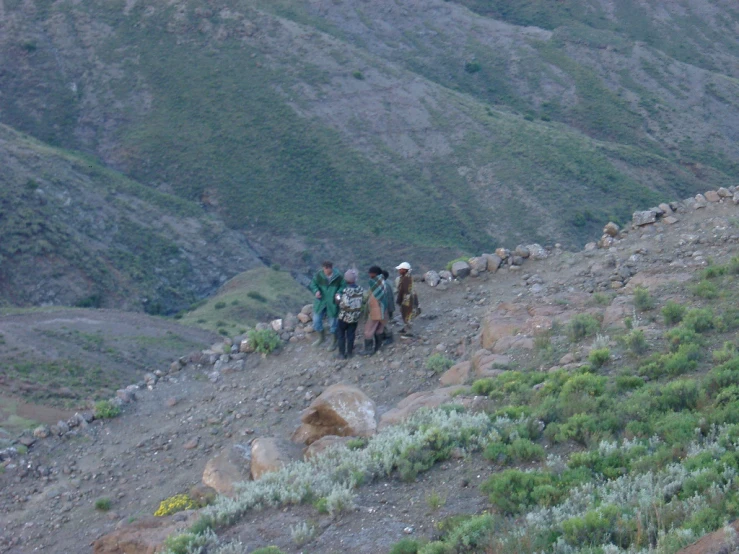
404	265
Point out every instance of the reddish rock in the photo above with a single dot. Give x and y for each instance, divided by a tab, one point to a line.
144	536
458	374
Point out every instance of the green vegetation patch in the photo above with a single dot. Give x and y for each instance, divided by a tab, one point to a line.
250	297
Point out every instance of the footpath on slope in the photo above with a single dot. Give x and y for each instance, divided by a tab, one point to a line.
161	443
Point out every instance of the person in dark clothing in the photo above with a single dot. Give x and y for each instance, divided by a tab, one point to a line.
350	310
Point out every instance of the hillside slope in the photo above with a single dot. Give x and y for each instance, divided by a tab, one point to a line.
355	128
619	404
77	233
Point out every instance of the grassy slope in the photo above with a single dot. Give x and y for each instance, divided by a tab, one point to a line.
250	297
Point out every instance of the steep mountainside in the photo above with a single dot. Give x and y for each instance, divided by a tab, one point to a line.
360	128
76	233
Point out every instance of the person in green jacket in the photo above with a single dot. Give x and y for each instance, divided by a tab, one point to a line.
326	284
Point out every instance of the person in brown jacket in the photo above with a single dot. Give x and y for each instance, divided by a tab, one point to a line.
376	312
406	297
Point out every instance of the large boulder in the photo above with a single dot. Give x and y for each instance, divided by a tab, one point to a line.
228	467
461	269
341	410
270	454
144	536
411	404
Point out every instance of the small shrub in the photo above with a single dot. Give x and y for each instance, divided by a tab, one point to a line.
713	271
358	75
105	409
356	443
601	299
264	341
405	546
438	363
435	501
699	320
321	505
636	342
705	289
255	295
512	491
673	313
472	67
725	354
643	301
599	357
267	550
524	450
302	533
103	504
629	382
174	504
629	323
483	387
219	305
581	326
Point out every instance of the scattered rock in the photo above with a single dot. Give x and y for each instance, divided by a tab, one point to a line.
712	196
644	218
460	269
192	443
432	278
611	229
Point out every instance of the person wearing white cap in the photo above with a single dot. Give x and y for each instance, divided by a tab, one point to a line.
406	297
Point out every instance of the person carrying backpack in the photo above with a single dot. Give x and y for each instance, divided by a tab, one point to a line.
350	310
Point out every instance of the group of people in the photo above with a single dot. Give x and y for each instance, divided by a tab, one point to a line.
343	302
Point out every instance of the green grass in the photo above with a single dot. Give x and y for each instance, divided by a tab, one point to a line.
253	296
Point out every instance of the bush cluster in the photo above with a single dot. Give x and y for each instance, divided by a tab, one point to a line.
264	341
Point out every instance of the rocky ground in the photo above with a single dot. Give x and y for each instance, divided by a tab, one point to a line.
160	444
